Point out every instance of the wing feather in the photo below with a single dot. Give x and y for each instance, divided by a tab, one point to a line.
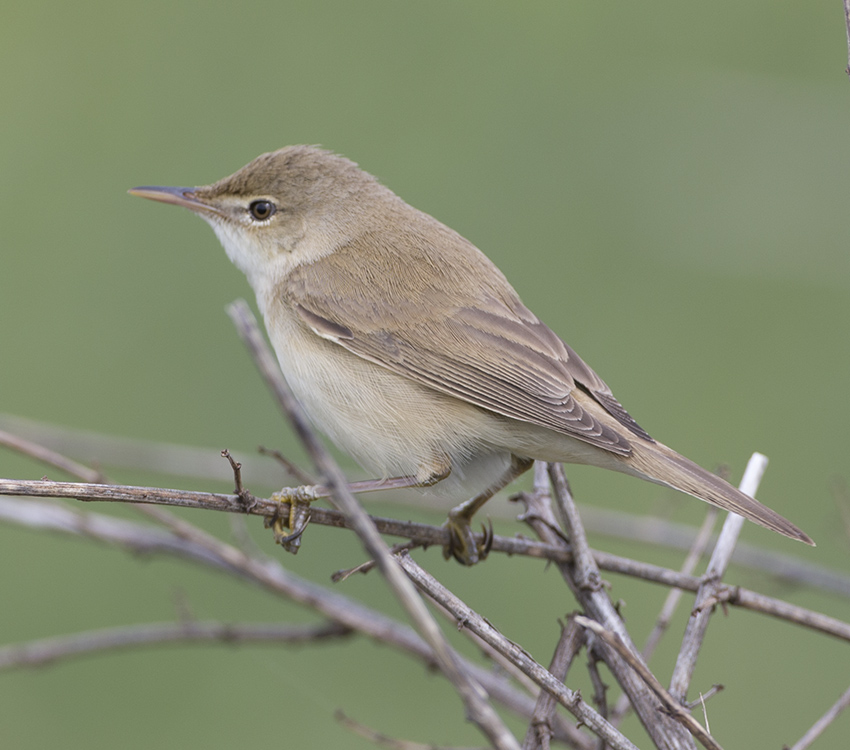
473	341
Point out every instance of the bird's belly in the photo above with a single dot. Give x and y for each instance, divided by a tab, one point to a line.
394	426
391	425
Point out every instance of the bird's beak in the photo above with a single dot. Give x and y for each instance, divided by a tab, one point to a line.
178	196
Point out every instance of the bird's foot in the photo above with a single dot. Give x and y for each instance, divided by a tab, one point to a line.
463	545
288	527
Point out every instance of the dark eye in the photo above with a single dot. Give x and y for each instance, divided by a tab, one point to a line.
261	210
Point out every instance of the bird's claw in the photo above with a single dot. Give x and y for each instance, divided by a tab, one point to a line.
296	522
462	545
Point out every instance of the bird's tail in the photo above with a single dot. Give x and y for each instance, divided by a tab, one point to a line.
662	465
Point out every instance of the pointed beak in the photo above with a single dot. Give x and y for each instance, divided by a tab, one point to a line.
178	196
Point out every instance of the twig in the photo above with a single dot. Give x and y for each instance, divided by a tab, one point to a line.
39	653
391	743
204	464
823	722
365	567
710	589
52	458
293	469
600	689
671	602
703	698
584	566
847	24
470	691
237	473
423	534
468	618
671	705
657	532
540	731
665	733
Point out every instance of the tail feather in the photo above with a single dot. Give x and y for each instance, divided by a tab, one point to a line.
662	465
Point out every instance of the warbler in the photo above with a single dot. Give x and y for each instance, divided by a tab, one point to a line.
411	351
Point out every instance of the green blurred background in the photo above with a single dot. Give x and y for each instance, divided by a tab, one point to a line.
665	184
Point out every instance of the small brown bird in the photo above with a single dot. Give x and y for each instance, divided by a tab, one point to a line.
409	348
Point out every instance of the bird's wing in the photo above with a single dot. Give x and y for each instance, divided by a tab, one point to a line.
474	341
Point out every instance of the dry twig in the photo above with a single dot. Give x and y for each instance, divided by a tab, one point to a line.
671	705
391	743
540	730
817	728
709	592
421	534
49	650
665	733
468	618
670	603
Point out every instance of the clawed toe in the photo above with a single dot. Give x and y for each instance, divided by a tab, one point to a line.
297	520
462	545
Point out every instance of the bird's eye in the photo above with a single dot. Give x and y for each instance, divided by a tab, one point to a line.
261	210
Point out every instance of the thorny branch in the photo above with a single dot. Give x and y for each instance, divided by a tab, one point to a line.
198	464
468	618
581	577
540	731
671	705
41	652
421	534
478	687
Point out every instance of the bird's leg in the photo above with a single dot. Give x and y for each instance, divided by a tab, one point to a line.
287	531
462	545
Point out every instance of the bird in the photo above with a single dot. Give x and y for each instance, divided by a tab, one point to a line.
411	351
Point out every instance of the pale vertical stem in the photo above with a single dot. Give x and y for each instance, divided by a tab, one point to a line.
698	622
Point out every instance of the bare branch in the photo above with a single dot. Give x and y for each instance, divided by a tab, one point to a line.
468	618
671	602
41	652
422	534
671	705
703	698
665	733
584	567
540	729
51	458
391	743
658	532
710	588
205	464
847	24
831	715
